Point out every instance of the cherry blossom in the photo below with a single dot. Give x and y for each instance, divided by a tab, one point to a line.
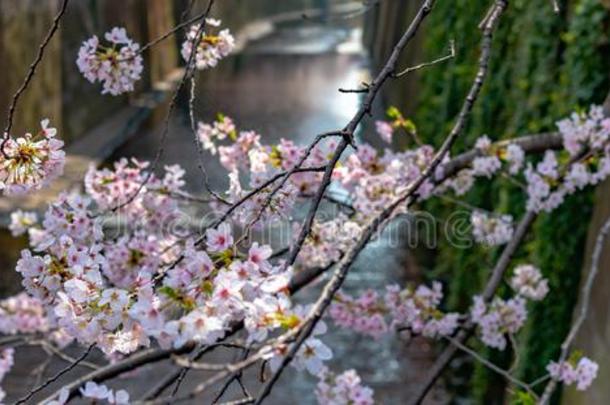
342	389
219	239
515	156
582	372
22	314
488	164
219	130
32	161
491	230
95	391
117	65
412	309
385	130
211	47
497	319
328	240
145	286
22	221
590	129
528	282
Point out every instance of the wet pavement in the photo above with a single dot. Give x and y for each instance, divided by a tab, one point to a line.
286	86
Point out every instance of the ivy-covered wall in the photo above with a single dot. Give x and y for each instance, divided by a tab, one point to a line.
543	67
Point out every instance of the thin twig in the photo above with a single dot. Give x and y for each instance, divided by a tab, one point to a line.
235	377
189	68
199	146
490	288
169	33
49	348
490	365
30	74
408	70
584	308
350	128
54	378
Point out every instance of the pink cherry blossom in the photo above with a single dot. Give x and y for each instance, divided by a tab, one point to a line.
117	66
491	230
527	281
582	372
219	239
211	47
343	389
31	162
22	221
385	130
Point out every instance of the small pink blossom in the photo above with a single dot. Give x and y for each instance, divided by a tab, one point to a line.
219	239
385	130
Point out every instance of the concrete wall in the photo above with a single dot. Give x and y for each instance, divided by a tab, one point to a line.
594	337
386	23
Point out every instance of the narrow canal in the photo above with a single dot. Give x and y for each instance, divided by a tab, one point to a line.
286	85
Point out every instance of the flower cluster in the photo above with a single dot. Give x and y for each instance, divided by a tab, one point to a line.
375	181
418	310
211	48
585	131
343	389
365	314
120	292
488	164
140	198
22	314
327	241
491	230
6	363
311	355
586	139
117	65
259	163
498	319
221	129
32	161
527	281
581	371
412	309
502	317
584	161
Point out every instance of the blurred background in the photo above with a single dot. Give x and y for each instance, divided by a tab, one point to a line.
292	57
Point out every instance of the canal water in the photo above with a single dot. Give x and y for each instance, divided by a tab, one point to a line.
286	86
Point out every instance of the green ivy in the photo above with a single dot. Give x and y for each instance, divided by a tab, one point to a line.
543	67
